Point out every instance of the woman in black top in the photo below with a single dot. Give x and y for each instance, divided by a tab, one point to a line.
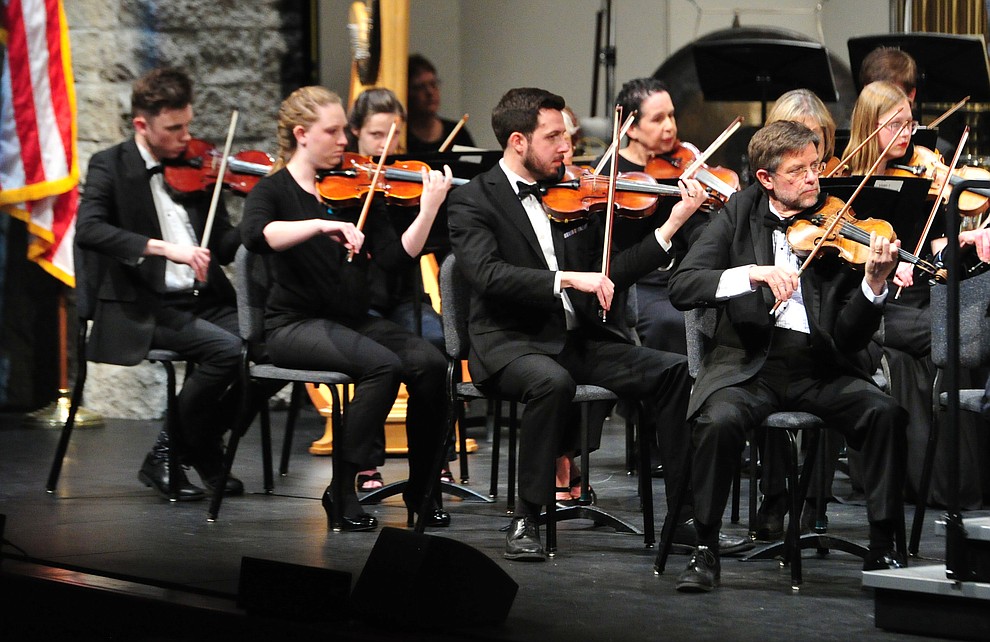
317	313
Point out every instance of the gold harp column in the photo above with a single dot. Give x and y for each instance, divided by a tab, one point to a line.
393	35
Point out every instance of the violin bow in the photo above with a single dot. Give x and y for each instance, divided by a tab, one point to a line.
610	203
830	230
842	163
218	186
374	182
703	156
949	112
607	156
938	200
453	133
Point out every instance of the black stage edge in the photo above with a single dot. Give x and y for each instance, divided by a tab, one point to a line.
44	603
936	615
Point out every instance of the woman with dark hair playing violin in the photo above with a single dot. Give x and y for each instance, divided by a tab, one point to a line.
318	312
373	113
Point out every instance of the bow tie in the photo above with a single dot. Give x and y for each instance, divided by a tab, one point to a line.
157	169
773	221
528	189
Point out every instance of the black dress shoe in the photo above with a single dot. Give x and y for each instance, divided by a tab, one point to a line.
657	472
211	471
522	542
703	572
155	473
686	539
883	560
338	523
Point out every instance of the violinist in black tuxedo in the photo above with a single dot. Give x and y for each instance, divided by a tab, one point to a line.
802	357
145	241
536	289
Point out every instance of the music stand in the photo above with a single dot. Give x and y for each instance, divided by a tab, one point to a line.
750	69
950	67
900	200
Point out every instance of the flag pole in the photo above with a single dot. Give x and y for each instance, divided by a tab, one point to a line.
55	414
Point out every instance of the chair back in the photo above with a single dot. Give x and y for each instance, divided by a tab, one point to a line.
455	296
974	322
699	325
251	287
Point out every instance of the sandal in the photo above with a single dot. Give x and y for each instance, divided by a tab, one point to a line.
446	476
369	480
575	491
563	497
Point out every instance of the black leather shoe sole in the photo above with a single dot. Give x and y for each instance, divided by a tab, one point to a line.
526	556
694	583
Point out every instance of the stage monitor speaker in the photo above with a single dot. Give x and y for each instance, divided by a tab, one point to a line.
422	581
290	591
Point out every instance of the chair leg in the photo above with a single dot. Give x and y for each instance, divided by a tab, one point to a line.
70	422
495	412
266	449
461	433
754	481
793	545
171	427
511	474
295	401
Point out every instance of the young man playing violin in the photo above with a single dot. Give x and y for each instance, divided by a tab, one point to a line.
799	358
157	287
536	292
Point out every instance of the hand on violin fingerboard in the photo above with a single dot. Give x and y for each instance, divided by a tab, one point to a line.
881	262
782	281
436	184
592	282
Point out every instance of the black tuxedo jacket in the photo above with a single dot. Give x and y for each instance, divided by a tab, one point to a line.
513	310
116	218
841	318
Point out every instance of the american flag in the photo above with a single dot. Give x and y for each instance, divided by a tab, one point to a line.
39	166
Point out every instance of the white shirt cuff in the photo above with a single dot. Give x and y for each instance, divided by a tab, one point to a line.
875	299
733	282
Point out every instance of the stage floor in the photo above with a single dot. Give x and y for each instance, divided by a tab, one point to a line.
600	586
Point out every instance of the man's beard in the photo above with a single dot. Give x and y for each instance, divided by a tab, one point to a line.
796	203
541	172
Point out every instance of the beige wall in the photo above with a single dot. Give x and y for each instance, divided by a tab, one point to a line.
484	47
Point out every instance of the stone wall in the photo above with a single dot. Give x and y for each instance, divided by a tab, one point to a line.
241	55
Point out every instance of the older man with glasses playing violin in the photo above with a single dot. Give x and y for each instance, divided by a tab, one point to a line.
801	357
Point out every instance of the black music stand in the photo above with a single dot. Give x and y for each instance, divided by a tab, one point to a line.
900	200
752	69
950	67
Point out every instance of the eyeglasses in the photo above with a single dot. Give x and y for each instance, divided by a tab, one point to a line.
910	126
801	172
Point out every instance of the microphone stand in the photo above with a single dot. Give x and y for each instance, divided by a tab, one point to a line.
604	55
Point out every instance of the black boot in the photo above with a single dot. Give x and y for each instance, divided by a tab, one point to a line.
155	473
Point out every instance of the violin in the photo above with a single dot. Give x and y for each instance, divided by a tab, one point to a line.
929	164
401	183
850	239
580	193
720	182
196	169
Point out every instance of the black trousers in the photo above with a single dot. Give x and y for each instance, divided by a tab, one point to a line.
792	379
205	332
546	384
379	355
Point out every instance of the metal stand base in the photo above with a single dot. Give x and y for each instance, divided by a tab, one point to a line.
396	488
55	414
